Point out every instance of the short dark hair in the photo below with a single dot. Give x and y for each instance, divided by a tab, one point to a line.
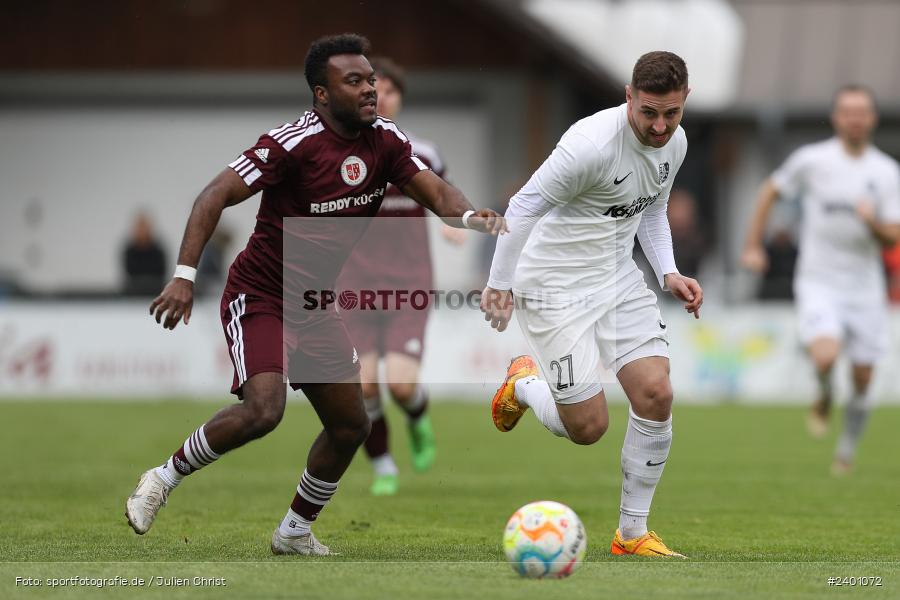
659	72
388	69
326	47
852	88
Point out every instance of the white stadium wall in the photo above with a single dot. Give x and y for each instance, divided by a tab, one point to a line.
116	351
110	162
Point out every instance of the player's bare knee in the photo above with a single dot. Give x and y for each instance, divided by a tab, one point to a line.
655	399
861	385
824	354
824	362
262	413
588	432
270	418
351	436
402	392
264	418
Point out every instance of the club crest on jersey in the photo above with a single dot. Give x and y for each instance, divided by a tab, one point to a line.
353	170
663	172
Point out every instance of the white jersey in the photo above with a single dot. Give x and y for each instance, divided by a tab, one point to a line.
837	249
598	183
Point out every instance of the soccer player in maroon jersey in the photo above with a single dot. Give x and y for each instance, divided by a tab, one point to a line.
335	162
393	255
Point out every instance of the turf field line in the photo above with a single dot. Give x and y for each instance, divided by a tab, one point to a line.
322	561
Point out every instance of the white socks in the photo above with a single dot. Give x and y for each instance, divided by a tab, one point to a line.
192	456
311	497
385	465
535	393
169	474
855	417
644	454
416	405
294	525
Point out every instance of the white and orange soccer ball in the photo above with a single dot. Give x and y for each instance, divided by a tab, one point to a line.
544	539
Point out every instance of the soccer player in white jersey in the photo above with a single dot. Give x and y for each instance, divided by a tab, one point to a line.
850	194
580	299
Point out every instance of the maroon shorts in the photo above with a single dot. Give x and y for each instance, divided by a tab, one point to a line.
386	331
316	351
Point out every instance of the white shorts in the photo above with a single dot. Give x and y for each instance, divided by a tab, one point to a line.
580	342
861	326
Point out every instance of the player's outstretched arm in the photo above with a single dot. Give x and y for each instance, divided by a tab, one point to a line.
754	255
686	289
450	204
177	298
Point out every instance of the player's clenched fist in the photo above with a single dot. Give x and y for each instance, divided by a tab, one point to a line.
488	221
687	289
497	306
176	299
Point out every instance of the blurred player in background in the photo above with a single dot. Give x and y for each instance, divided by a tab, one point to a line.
581	300
394	255
334	162
850	194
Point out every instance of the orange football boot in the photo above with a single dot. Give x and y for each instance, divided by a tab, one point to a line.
505	409
648	544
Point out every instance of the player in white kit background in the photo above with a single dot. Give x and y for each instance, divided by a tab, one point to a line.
580	299
850	198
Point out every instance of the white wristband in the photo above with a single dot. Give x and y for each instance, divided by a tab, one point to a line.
185	272
465	218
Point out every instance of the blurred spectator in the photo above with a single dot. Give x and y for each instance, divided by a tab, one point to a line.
8	285
213	263
144	260
688	239
778	280
892	272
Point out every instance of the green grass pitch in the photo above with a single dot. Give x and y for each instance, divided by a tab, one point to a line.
746	495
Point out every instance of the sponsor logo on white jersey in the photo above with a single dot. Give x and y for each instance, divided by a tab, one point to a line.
353	170
263	154
621	211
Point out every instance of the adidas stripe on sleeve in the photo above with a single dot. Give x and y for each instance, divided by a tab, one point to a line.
267	162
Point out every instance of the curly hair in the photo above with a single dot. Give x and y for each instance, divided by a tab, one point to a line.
659	72
326	47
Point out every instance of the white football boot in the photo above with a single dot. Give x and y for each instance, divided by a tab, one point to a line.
145	501
306	544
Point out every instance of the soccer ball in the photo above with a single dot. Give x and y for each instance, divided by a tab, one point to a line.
544	539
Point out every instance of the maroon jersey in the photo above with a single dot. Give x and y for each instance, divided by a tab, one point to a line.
305	169
394	252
